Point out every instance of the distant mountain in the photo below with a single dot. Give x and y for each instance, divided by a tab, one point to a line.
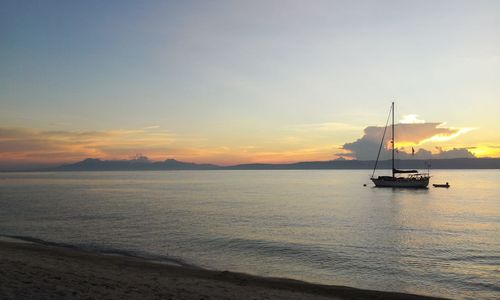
454	163
93	164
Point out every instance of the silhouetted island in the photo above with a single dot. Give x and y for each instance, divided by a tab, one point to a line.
94	164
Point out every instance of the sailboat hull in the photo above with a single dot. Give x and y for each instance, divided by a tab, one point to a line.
401	182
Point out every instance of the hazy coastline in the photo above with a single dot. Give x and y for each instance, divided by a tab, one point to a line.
95	164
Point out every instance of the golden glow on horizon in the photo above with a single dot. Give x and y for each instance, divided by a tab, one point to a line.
486	151
31	145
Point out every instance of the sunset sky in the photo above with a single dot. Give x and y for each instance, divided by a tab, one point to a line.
231	82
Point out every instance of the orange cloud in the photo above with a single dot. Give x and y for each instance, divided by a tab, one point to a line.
22	144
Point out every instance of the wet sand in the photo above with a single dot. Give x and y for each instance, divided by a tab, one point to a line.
36	271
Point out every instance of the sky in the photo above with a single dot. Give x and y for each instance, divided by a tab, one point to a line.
231	82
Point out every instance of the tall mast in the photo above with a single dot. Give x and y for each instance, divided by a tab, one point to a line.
393	141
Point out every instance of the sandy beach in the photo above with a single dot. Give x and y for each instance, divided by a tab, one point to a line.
35	271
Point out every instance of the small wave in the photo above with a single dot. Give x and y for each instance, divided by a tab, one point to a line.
102	250
316	256
488	259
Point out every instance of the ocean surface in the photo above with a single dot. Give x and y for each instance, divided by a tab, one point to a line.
320	226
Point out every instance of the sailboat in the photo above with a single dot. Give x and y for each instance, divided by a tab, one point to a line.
413	179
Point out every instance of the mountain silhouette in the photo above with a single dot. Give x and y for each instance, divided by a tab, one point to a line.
95	164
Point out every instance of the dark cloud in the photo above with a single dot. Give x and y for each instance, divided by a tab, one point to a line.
454	153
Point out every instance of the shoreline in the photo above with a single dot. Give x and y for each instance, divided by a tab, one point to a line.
31	270
102	251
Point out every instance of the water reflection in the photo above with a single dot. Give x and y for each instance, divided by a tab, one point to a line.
320	226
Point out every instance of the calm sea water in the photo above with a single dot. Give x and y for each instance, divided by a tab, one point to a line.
319	226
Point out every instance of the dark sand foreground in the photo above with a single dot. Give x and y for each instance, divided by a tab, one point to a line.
34	271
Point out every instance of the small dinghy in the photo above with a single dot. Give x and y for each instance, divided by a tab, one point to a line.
446	185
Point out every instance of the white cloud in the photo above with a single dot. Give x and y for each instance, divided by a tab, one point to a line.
411	119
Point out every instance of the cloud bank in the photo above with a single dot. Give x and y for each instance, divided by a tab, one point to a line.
407	135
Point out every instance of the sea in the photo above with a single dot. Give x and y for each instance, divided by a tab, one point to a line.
320	226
